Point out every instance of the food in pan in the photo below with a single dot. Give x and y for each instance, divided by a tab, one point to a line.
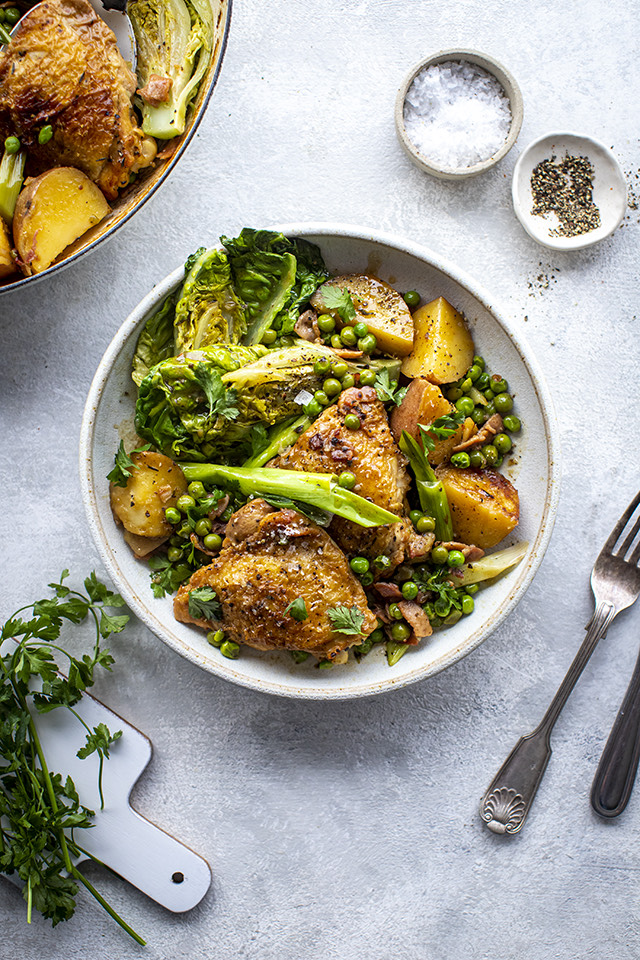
318	466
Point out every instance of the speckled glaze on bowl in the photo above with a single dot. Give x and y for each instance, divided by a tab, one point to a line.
108	418
151	178
609	189
512	91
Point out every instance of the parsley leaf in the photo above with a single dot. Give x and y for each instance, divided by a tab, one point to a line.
388	391
204	604
445	593
346	620
338	300
221	401
124	465
297	609
98	741
441	428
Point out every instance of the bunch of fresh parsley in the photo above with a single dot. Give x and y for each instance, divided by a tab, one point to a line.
40	815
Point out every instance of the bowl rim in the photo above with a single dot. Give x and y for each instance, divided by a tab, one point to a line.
583	240
172	161
227	669
510	87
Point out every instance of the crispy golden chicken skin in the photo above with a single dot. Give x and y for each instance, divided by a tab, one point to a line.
372	454
270	559
63	68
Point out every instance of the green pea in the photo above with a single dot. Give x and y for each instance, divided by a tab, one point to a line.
352	421
12	15
196	490
377	636
410	590
368	378
185	502
347	479
176	541
439	555
456	558
227	514
182	571
359	565
498	463
400	631
172	515
332	387
285	341
477	460
512	424
478	415
215	637
184	531
472	589
490	409
489	394
498	384
313	408
203	527
348	336
45	134
425	524
11	145
502	443
361	329
395	612
415	515
326	323
465	405
461	460
212	541
324	664
269	336
299	656
230	650
454	394
503	403
348	381
466	384
474	373
479	362
366	579
442	606
491	454
339	369
367	344
483	381
321	398
174	554
411	298
467	605
382	562
336	342
321	367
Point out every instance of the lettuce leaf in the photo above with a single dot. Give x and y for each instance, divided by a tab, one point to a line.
209	311
156	341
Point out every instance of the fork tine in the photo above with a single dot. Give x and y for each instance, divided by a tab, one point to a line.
635	556
620	525
626	546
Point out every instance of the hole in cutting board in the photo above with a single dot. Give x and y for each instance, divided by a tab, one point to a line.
177	877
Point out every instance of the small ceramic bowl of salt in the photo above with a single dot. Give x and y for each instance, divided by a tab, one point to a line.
458	113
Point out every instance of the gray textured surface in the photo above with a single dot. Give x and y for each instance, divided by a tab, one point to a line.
350	830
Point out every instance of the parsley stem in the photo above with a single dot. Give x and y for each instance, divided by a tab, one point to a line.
75	873
29	899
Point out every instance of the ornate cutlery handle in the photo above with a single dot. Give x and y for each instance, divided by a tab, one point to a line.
506	803
616	773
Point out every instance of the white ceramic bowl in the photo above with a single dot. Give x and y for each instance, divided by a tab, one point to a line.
609	189
108	417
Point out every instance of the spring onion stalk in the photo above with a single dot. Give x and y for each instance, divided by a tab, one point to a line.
491	566
11	177
395	651
318	489
5	36
433	498
282	436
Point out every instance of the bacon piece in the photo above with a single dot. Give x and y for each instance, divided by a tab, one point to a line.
484	435
417	620
390	591
156	90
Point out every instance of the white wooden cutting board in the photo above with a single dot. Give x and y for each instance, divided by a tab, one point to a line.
154	862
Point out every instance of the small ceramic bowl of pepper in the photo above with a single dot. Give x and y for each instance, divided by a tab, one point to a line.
569	191
483	69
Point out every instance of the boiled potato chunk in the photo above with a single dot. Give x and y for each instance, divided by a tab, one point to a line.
423	403
52	211
155	484
484	504
7	263
379	306
443	349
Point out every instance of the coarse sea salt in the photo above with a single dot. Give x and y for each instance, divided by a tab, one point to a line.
456	114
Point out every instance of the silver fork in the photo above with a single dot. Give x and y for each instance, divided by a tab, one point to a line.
615	582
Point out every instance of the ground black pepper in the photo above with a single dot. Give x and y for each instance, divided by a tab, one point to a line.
565	188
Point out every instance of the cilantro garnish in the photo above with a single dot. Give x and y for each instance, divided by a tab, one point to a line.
124	465
346	620
338	300
204	604
221	401
441	428
297	609
388	390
